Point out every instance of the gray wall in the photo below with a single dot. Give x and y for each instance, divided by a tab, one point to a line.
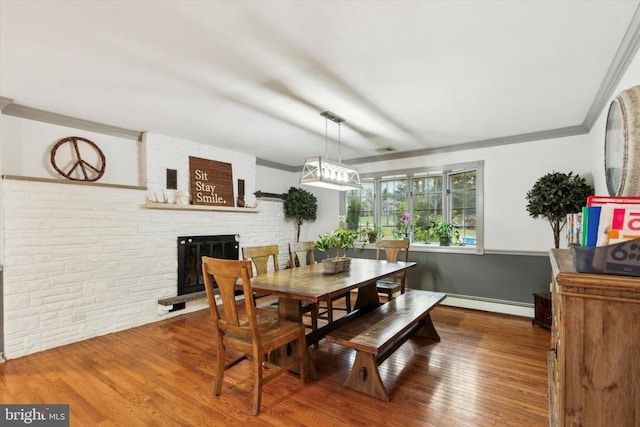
507	277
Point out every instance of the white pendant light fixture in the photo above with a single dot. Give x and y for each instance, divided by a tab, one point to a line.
325	173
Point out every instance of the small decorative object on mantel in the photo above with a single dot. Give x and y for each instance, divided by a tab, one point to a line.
240	203
211	182
155	199
340	238
82	159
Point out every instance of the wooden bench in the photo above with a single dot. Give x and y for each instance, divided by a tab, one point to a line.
378	333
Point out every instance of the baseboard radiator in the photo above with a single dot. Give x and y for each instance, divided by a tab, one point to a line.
515	308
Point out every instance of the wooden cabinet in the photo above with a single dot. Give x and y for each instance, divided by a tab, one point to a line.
594	360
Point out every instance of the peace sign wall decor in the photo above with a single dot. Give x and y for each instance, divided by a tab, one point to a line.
78	159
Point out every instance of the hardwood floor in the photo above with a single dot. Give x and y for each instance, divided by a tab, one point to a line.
488	370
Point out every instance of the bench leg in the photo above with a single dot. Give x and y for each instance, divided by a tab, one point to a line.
426	329
365	377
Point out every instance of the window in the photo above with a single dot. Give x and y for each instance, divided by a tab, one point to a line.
405	204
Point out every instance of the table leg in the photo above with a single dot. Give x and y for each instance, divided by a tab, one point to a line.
367	296
290	309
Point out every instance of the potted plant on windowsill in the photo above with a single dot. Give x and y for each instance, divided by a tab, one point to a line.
402	227
445	233
372	234
341	239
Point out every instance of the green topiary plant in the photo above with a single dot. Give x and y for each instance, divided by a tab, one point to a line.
555	195
301	206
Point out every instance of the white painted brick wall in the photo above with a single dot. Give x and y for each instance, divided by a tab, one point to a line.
163	152
82	261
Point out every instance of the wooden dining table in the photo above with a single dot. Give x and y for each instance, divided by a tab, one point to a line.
311	283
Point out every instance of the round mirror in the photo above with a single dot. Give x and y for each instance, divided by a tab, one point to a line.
613	149
622	144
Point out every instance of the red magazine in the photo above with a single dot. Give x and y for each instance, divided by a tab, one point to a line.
603	200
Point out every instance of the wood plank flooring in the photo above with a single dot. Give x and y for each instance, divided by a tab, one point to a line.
488	370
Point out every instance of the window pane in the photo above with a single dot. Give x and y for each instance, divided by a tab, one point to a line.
360	206
427	205
463	205
393	204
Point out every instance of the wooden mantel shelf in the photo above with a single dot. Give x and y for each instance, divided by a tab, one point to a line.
171	206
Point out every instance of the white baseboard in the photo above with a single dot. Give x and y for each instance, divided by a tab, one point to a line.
494	306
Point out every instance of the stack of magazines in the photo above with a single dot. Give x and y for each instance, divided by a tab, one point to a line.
605	236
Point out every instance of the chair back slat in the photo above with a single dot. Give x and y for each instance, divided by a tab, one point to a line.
392	250
304	252
260	256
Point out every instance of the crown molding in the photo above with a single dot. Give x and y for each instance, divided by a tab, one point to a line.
30	113
4	102
514	139
626	52
276	165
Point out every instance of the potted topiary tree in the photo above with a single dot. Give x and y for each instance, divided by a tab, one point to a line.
301	206
555	195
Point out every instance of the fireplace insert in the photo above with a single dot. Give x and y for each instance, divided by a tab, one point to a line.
191	249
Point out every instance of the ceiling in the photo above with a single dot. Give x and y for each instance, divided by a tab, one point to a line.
254	76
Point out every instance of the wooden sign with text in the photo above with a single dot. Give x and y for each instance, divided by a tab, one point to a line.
211	182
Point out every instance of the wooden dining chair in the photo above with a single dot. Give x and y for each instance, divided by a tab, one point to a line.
304	252
256	336
260	256
395	283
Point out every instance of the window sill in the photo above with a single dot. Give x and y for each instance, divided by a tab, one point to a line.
423	247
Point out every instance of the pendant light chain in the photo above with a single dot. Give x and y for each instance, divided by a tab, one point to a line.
326	137
339	143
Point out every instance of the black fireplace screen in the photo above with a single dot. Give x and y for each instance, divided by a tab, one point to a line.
191	249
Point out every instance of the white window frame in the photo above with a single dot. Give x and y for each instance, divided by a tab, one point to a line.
445	170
